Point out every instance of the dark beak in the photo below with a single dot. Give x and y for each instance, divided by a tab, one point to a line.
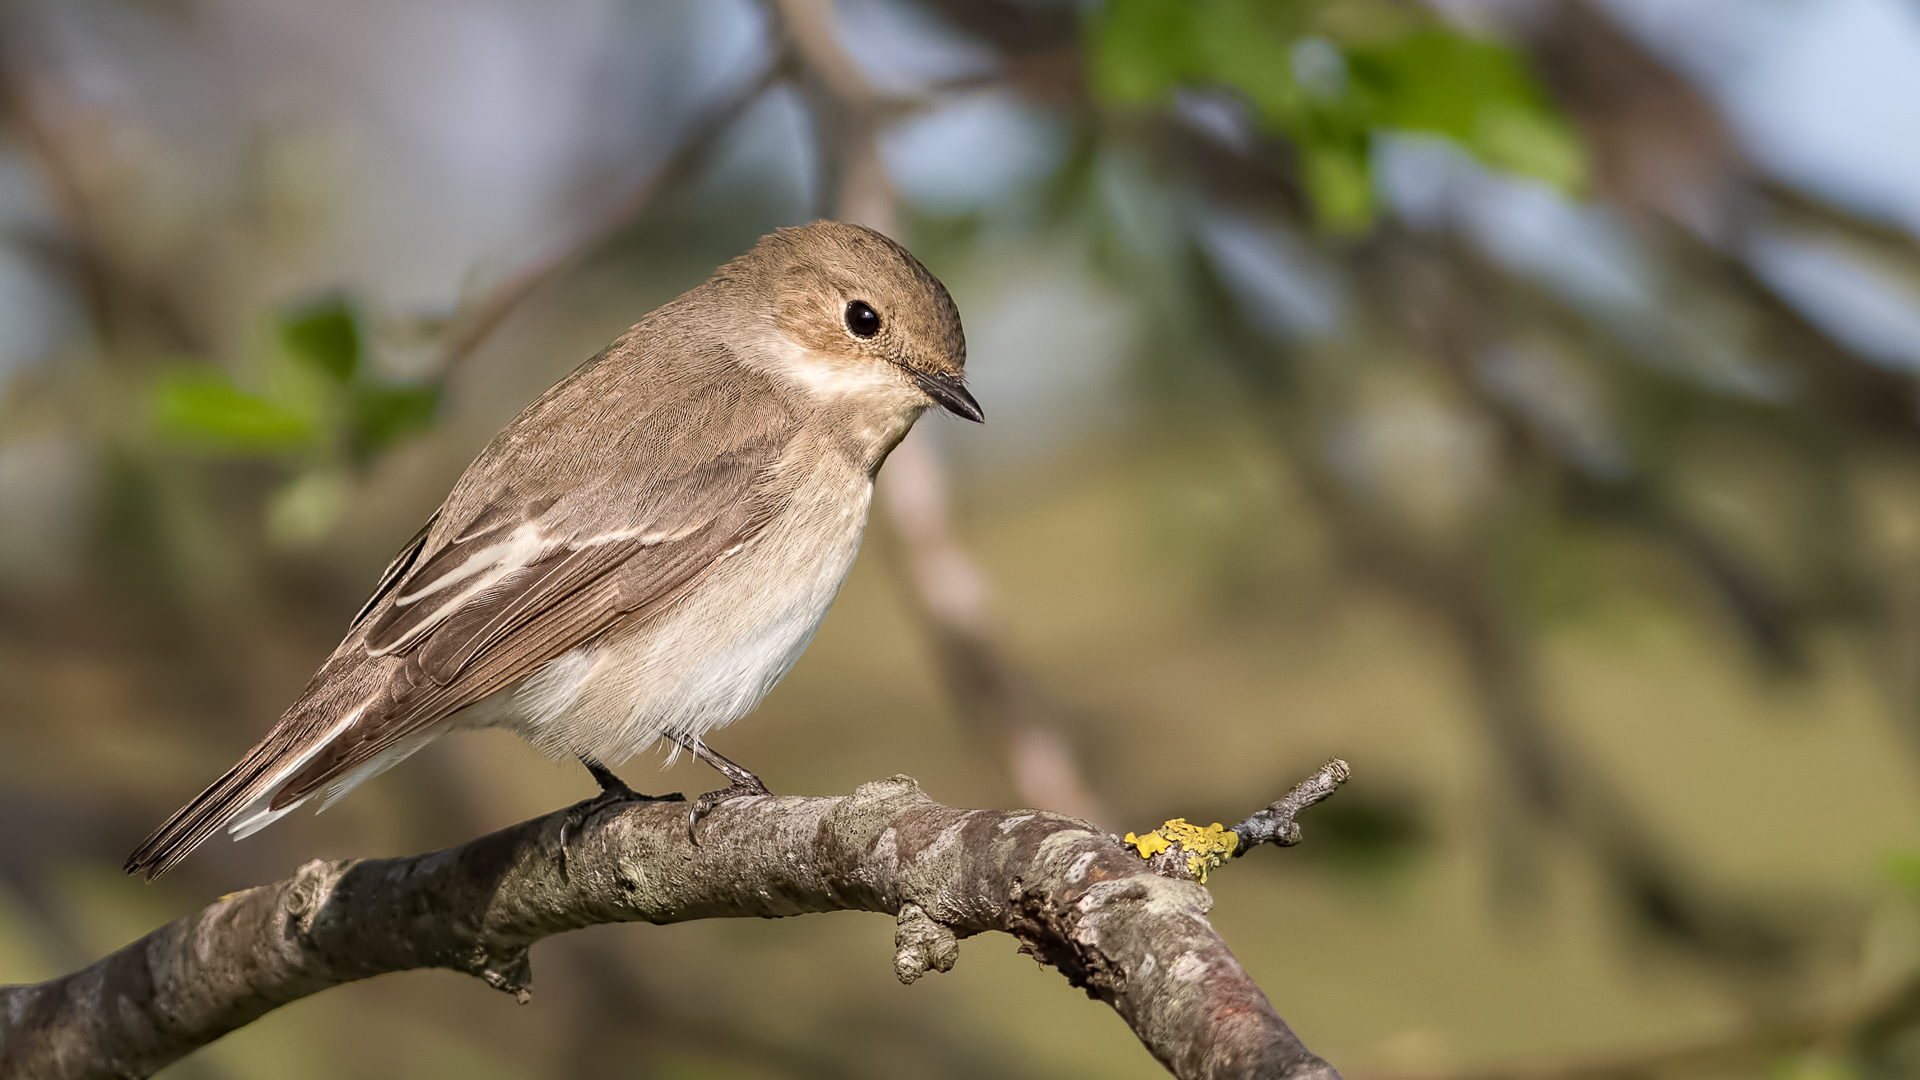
952	395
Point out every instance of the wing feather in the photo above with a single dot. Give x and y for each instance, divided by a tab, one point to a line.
624	485
395	570
521	583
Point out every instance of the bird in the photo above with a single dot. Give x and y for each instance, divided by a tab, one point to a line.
644	551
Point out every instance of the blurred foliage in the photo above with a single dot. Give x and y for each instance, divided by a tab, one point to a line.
202	407
1903	869
378	415
333	412
357	413
1329	74
324	335
374	411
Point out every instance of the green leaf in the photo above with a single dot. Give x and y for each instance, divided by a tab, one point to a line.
1478	92
1438	81
1407	74
1141	49
1340	184
381	414
204	408
325	335
1244	44
1532	143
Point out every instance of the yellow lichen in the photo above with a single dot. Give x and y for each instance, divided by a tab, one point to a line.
1149	845
1206	848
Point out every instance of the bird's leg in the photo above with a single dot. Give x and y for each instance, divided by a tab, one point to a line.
613	791
742	782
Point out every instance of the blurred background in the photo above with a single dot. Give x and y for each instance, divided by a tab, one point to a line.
1516	398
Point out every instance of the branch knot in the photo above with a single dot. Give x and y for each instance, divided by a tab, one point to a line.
307	893
921	945
509	974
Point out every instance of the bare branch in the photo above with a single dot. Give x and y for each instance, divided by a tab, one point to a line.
1276	824
125	301
1181	849
1076	898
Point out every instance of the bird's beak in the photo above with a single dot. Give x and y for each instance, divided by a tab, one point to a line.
951	395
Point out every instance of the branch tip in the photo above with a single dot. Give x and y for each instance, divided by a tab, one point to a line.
1276	824
1181	849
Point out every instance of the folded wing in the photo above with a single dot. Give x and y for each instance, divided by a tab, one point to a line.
566	526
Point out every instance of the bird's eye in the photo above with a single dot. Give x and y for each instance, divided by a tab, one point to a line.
862	319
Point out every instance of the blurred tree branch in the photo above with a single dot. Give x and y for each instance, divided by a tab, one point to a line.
1132	933
127	304
1445	306
696	141
993	693
1440	306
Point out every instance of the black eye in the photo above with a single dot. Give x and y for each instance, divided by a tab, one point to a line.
862	319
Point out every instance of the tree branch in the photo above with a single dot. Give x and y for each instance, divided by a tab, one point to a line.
1131	933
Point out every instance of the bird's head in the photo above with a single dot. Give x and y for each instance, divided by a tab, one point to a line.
866	315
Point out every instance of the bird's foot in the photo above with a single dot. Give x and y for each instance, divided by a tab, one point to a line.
744	783
702	806
613	792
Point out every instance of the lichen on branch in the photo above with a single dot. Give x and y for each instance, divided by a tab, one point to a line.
1131	933
1179	847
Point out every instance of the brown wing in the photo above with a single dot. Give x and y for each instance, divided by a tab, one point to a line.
396	570
603	501
531	576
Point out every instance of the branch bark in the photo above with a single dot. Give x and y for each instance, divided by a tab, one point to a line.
1076	898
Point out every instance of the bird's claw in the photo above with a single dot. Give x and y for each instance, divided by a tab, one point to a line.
613	794
704	805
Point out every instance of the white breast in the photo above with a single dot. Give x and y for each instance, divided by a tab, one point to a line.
710	659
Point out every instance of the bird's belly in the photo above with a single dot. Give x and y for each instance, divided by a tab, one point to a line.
710	658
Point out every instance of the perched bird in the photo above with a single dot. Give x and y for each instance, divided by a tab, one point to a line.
643	552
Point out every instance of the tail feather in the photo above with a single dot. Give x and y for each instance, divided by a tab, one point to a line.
192	824
241	800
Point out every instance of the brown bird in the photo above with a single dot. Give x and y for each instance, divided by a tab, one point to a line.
643	552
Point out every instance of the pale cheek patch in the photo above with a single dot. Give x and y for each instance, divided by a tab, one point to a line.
830	377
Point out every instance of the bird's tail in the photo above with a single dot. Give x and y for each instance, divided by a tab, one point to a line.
242	800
